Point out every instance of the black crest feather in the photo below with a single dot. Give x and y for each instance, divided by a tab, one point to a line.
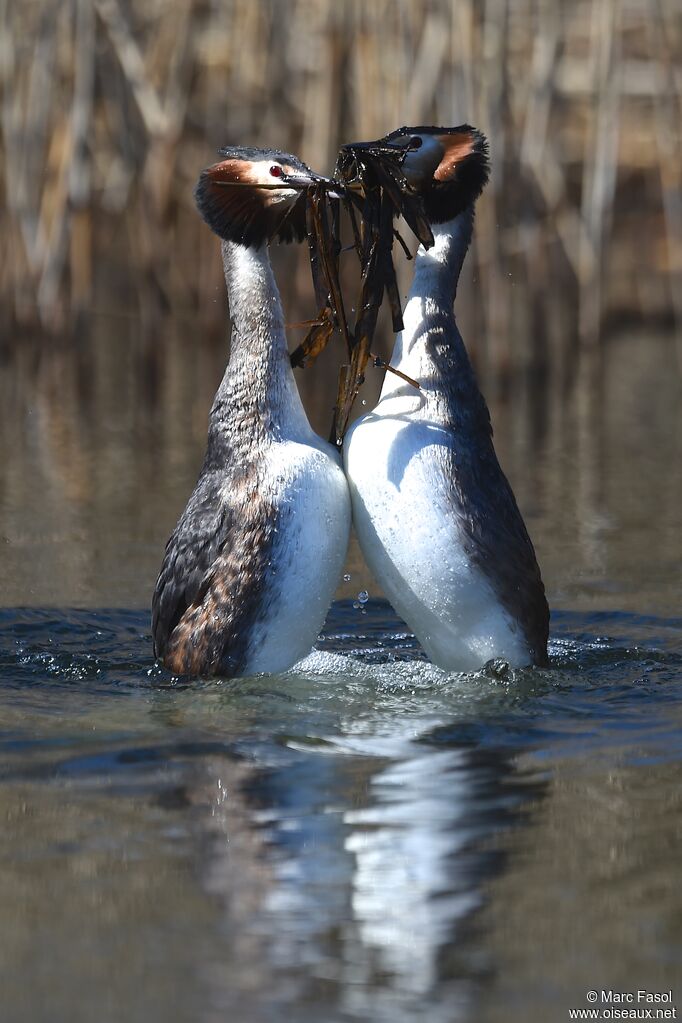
237	210
470	170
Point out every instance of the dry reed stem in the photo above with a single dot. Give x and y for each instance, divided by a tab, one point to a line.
107	116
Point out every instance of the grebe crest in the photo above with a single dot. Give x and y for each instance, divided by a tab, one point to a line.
255	195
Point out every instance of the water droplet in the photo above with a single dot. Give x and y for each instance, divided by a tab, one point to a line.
364	401
356	605
363	596
346	577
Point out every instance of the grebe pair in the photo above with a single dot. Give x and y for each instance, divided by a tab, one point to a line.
251	567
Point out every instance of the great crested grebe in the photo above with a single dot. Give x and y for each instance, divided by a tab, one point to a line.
435	516
250	570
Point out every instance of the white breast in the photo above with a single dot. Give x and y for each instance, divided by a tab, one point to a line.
409	535
308	482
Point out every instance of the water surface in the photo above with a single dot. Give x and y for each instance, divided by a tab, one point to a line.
366	837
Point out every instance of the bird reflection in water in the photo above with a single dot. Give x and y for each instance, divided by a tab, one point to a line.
360	911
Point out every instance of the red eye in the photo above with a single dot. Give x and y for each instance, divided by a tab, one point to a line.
276	171
415	142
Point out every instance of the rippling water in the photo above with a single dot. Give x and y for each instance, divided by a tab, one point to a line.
365	838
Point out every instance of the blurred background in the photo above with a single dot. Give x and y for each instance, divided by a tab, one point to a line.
371	841
113	319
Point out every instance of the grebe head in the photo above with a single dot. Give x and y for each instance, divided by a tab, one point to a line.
255	195
447	167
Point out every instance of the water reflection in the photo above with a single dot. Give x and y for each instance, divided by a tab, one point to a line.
99	457
365	838
412	883
346	877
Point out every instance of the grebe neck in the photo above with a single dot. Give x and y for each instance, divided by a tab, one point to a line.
257	400
429	321
437	269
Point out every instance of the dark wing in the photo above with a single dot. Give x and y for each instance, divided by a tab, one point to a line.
502	547
490	517
191	551
214	582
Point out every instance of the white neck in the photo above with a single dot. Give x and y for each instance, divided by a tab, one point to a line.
258	378
429	305
255	304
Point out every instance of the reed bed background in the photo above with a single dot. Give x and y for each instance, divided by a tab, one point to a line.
111	107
